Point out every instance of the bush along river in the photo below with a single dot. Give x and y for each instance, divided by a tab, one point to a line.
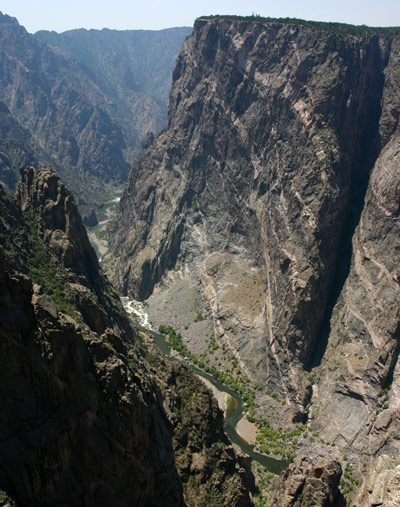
236	405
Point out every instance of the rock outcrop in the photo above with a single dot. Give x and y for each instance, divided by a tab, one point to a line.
211	471
274	190
84	421
304	484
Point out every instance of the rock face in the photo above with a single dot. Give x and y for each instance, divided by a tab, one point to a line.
211	471
84	421
16	150
275	190
304	484
134	66
86	116
382	485
361	357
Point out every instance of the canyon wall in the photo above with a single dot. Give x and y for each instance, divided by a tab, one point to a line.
274	190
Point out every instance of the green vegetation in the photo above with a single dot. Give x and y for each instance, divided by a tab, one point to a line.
199	317
278	442
348	483
274	442
275	397
385	392
236	382
265	484
174	339
44	271
101	232
5	241
338	28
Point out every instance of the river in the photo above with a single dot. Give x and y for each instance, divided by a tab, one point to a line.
236	409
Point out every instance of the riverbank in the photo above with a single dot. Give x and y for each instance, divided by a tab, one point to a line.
247	430
235	410
96	233
221	397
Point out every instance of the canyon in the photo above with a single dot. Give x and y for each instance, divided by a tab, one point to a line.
261	229
92	416
83	101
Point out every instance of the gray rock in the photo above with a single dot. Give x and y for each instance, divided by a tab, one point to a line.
307	484
252	186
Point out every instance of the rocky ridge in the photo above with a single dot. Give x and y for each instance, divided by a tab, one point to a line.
84	419
274	192
133	66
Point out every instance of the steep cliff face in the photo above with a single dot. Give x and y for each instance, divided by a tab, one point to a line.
273	130
79	425
16	148
304	484
359	371
133	67
51	95
84	421
274	191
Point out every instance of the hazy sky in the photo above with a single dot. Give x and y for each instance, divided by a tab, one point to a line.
63	15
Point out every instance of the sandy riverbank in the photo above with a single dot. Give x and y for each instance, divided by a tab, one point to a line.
101	244
221	397
244	428
247	430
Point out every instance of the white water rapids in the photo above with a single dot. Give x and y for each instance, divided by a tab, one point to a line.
138	308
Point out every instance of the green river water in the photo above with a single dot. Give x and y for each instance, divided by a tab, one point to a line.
233	415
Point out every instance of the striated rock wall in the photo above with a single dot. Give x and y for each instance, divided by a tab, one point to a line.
357	395
16	148
305	483
51	95
133	67
84	100
273	129
274	190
